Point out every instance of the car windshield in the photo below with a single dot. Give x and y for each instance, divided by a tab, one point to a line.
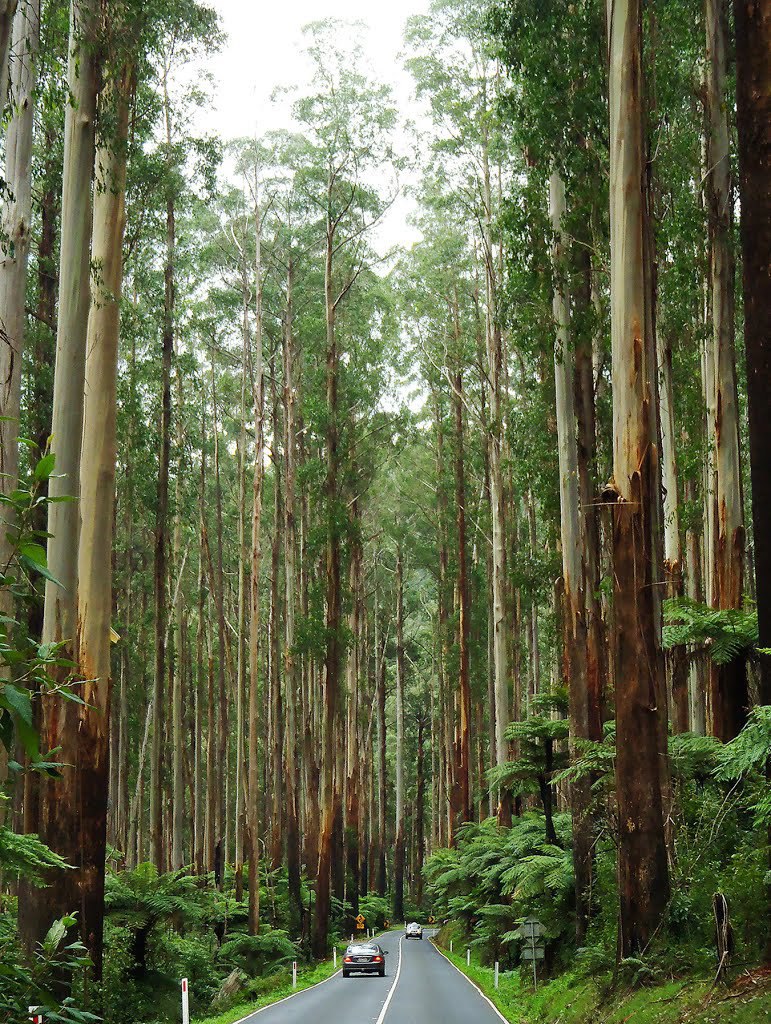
365	950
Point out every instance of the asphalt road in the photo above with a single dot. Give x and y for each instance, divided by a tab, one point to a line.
419	986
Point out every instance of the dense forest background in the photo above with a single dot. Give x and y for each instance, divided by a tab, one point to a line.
420	581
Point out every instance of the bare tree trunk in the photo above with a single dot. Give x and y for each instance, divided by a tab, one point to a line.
258	384
7	15
399	850
60	806
292	585
464	617
178	788
573	574
16	220
728	697
97	490
753	62
354	752
162	508
676	661
634	491
243	560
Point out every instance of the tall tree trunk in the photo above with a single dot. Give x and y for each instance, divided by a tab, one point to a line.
495	375
160	573
7	15
635	491
177	713
224	666
382	769
243	561
573	576
258	396
97	490
399	848
59	824
291	591
331	797
354	751
464	617
676	660
753	66
16	220
728	697
276	702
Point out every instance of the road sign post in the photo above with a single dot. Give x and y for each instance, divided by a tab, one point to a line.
294	974
185	1001
36	1014
531	930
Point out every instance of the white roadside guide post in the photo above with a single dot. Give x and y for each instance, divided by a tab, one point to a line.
451	945
334	956
468	957
36	1014
185	1002
496	974
294	974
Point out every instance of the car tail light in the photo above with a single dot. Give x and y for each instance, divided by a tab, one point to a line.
348	960
377	959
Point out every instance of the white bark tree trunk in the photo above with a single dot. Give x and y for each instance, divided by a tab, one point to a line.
97	488
15	252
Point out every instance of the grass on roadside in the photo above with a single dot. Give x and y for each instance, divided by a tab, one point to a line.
570	999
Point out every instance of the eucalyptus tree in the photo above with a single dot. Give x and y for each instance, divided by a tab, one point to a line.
727	706
17	227
635	497
59	824
348	119
753	74
454	69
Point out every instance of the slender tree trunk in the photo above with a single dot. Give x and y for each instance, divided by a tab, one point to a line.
243	561
160	581
573	575
291	590
258	379
17	215
354	752
728	697
676	660
464	618
753	64
178	787
331	797
7	15
635	489
399	848
382	769
60	806
97	490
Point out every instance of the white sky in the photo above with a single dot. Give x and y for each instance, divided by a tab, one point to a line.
262	51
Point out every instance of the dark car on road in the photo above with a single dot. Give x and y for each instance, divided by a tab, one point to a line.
364	958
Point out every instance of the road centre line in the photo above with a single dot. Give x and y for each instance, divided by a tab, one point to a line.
473	984
390	995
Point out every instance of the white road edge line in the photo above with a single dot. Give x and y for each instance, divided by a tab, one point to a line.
473	984
291	995
390	995
323	981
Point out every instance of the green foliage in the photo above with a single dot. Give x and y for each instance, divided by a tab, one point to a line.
725	633
34	980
